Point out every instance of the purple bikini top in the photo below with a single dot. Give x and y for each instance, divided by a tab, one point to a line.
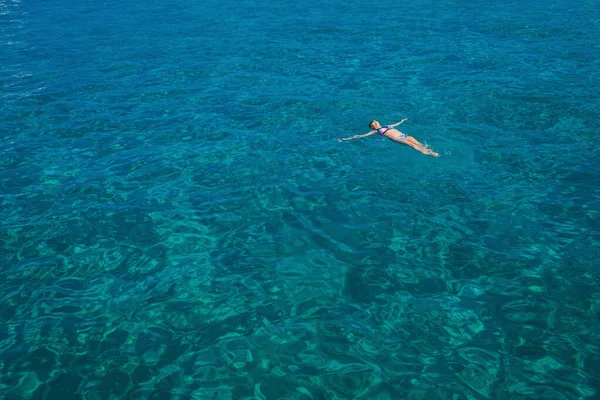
383	129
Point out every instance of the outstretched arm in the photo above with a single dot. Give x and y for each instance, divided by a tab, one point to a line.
398	123
357	136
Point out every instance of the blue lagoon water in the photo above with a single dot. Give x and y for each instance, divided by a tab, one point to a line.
178	220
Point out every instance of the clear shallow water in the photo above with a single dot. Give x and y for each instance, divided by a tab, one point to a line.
179	222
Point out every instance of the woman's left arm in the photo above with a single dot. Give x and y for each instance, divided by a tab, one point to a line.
398	123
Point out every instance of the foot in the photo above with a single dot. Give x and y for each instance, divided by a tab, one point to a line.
425	150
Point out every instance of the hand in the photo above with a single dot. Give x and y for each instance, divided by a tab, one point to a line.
399	123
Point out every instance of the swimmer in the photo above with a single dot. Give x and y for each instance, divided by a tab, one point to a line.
394	134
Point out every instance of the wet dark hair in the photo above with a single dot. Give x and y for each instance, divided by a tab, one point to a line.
371	124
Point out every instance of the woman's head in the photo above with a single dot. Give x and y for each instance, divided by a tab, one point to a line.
374	124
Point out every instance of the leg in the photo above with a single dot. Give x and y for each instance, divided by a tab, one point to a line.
424	150
415	145
414	141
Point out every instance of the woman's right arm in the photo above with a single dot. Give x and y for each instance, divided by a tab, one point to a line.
357	136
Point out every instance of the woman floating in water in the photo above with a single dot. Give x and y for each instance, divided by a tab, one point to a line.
391	132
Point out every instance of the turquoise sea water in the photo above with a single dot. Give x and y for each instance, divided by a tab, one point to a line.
178	221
